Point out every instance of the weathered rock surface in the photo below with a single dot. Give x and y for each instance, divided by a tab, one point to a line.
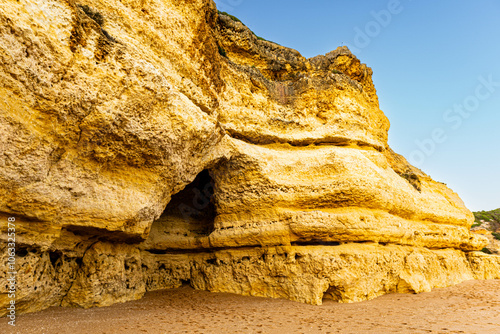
487	223
144	145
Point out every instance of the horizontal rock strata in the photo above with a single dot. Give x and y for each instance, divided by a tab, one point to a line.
146	145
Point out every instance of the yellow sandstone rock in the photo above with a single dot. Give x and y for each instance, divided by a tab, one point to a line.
145	144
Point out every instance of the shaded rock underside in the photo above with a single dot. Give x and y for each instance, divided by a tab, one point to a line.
151	144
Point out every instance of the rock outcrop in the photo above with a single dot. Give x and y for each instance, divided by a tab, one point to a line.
487	223
149	144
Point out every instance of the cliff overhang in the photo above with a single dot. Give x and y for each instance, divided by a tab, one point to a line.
150	144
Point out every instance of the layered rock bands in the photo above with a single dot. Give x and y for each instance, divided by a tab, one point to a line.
148	144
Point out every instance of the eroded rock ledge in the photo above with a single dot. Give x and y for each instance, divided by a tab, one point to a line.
148	145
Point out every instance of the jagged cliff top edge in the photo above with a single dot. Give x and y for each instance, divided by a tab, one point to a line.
237	23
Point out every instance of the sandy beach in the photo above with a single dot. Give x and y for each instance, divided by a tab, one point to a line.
471	307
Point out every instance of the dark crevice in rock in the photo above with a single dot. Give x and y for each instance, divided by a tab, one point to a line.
196	250
262	139
103	234
54	257
412	179
192	207
217	249
315	243
22	251
20	217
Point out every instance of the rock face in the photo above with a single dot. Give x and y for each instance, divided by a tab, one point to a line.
146	145
487	223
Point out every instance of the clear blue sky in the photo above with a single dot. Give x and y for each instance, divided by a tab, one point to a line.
427	57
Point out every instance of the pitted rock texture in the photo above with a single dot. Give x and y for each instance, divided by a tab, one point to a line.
144	145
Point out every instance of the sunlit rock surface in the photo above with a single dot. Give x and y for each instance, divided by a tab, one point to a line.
149	144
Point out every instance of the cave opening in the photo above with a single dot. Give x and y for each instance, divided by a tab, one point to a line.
190	212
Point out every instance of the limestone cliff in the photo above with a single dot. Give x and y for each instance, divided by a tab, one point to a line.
147	144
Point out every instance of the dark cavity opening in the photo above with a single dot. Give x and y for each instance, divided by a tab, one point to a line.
315	243
22	252
191	212
54	257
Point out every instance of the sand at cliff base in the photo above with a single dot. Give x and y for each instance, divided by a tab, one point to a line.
471	307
